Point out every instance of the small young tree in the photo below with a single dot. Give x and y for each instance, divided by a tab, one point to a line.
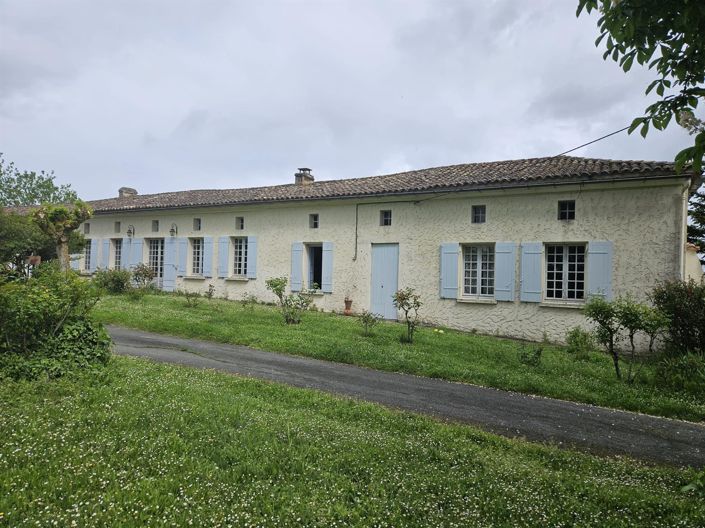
368	320
142	275
409	302
58	222
293	305
655	324
630	315
604	314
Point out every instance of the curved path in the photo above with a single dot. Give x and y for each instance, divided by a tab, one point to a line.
587	427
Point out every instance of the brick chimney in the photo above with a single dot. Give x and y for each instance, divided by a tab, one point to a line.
124	192
303	177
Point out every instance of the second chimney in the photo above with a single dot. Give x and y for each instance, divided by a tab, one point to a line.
124	192
303	177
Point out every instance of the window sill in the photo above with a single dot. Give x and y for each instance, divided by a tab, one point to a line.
317	293
575	305
476	300
194	277
237	278
85	273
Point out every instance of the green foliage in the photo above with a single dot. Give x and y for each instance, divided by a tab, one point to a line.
605	315
112	280
249	300
368	320
580	343
142	276
409	302
30	188
192	298
696	226
210	292
666	36
530	355
683	303
293	305
697	486
58	222
45	327
684	373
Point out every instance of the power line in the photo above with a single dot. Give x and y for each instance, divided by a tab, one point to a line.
593	141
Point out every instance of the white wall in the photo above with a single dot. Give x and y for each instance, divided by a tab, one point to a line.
644	222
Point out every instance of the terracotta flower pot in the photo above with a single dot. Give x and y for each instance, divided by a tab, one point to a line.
348	307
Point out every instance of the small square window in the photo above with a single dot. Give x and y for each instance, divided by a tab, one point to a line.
240	222
313	221
566	210
86	228
196	224
155	226
479	214
117	227
385	217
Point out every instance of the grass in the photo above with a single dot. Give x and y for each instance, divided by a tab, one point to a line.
148	444
452	355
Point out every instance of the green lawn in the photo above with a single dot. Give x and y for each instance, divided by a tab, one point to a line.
160	445
460	356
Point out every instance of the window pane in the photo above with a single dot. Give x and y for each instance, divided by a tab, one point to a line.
240	260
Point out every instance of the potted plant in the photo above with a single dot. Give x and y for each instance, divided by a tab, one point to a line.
348	305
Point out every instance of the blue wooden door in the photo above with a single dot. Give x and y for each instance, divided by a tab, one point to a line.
385	276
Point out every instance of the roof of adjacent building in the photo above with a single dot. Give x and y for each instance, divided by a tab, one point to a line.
468	176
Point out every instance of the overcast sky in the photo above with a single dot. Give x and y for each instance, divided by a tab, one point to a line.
180	95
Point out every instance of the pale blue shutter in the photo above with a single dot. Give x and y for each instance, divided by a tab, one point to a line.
136	252
297	252
183	251
599	268
169	279
75	262
105	255
505	270
327	270
94	255
223	248
251	257
531	271
125	253
208	256
449	270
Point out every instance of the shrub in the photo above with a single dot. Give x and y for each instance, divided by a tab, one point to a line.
113	281
580	343
683	303
683	373
193	299
409	302
249	300
45	328
210	292
293	305
604	314
142	275
368	320
530	355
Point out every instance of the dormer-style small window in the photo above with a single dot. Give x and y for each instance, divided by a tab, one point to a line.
313	221
86	228
155	226
117	227
196	224
240	222
385	217
566	210
479	214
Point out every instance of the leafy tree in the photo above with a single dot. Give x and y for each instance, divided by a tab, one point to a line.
667	36
696	229
409	302
606	317
30	188
58	222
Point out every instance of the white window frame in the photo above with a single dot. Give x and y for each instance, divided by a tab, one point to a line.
385	217
569	209
155	258
314	220
87	255
565	266
196	256
239	253
481	211
478	271
117	253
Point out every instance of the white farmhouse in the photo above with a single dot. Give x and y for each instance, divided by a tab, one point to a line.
510	247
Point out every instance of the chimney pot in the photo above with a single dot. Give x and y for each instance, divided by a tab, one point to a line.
303	176
124	192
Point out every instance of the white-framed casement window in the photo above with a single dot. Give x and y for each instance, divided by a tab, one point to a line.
479	214
478	270
196	256
156	258
239	256
117	253
565	271
87	255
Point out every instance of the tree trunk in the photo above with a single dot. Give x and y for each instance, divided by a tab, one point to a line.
62	251
615	359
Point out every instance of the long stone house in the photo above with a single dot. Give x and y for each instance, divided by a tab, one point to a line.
511	247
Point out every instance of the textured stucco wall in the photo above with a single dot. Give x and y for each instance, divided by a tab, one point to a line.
643	222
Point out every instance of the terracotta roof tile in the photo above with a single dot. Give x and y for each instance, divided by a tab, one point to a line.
536	171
